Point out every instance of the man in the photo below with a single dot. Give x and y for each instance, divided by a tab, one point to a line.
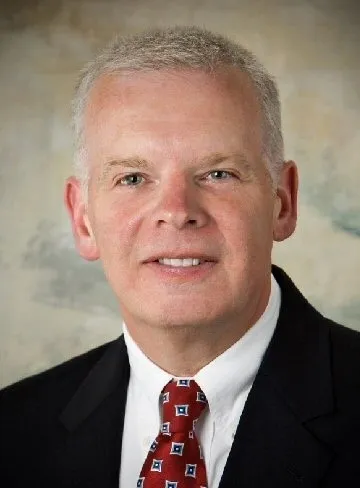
180	190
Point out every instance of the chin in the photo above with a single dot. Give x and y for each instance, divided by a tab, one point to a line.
180	313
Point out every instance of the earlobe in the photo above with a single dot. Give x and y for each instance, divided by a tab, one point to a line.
82	230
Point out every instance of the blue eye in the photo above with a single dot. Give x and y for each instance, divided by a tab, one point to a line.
220	174
132	179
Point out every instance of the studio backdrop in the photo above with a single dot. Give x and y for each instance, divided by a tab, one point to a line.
54	305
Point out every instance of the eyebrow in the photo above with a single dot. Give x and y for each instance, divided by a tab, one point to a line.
210	160
218	158
135	162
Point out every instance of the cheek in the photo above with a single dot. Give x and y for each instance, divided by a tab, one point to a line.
248	231
115	228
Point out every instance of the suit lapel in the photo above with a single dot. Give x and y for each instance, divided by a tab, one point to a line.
273	445
94	420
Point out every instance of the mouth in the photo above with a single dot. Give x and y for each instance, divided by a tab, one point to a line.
177	266
180	262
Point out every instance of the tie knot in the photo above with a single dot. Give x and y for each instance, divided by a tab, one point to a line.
183	402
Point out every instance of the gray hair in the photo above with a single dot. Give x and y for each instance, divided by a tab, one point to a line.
181	48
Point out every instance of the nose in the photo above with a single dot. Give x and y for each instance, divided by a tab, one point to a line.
179	205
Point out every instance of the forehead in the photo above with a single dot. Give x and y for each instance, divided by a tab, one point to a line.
172	107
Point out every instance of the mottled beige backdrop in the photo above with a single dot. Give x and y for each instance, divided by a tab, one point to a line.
54	305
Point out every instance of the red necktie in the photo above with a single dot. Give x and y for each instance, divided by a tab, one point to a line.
175	459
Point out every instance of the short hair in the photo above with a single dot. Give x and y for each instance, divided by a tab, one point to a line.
181	48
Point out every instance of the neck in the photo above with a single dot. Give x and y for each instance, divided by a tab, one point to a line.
183	351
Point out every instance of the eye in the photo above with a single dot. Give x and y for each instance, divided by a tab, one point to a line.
132	179
220	174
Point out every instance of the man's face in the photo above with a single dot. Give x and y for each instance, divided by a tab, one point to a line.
181	210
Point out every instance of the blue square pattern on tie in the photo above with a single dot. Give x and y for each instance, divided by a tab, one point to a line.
165	397
140	483
154	446
177	448
200	397
190	470
182	410
157	465
183	383
165	428
171	484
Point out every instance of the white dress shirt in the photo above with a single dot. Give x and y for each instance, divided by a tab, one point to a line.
226	382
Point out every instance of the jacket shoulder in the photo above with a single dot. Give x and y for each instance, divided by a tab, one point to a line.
345	343
345	363
51	386
342	334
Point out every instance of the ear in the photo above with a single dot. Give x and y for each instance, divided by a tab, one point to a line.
285	208
81	227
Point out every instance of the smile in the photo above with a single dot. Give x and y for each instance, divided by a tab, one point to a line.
184	263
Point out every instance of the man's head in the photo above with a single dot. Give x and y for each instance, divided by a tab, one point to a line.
181	186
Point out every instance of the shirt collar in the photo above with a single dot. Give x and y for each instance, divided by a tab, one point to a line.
227	376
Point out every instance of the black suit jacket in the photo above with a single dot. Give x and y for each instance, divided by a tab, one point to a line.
300	426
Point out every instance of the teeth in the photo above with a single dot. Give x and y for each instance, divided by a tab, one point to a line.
180	262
